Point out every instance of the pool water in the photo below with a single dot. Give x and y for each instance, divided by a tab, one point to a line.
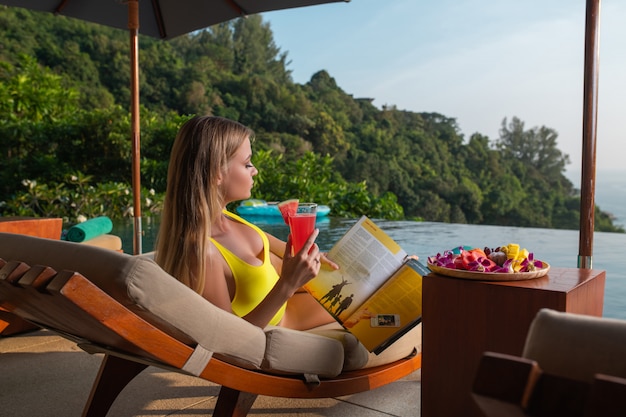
557	247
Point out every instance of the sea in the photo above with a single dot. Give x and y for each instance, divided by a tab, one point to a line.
557	247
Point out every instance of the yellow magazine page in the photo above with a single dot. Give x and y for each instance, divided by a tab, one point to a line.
392	311
367	257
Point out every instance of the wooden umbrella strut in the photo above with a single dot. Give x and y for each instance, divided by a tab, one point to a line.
590	123
133	27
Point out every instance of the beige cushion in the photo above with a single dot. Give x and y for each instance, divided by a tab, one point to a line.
356	355
143	287
577	346
165	298
107	241
410	343
292	351
139	284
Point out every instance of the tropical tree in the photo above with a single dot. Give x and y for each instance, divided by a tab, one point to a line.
32	99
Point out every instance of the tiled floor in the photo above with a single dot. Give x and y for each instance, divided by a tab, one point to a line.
42	374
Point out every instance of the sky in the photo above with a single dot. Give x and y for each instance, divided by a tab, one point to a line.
477	61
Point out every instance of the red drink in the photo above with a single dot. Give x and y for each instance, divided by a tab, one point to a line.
302	225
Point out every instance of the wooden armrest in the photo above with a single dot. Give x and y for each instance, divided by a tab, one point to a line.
511	386
607	397
504	382
558	396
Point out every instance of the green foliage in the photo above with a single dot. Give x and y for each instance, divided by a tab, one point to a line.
77	198
31	98
65	132
312	178
158	133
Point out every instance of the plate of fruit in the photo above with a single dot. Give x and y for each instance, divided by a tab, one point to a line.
502	263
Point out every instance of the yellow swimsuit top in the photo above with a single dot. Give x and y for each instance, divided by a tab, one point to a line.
252	282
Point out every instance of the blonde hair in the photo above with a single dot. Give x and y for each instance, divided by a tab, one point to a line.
201	152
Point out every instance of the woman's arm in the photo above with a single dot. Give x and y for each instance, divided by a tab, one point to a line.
216	287
277	246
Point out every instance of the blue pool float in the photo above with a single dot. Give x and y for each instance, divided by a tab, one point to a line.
256	207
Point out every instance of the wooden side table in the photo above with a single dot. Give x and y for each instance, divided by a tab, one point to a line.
464	318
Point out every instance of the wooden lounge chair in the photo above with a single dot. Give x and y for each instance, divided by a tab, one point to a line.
42	227
572	366
138	316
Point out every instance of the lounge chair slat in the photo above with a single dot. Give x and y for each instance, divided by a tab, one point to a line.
37	277
13	271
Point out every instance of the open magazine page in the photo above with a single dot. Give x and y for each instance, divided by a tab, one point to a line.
392	310
367	256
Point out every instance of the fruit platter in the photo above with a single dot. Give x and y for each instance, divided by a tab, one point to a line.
502	263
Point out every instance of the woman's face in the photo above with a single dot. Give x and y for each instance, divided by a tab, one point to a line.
237	182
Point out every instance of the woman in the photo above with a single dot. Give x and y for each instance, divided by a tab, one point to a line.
226	259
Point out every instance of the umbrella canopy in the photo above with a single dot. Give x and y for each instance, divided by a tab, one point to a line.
163	19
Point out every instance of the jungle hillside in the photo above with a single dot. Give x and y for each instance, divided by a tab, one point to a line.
66	149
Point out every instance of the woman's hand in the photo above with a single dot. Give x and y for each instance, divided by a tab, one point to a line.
326	260
300	268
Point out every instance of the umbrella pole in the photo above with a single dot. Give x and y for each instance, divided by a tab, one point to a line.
590	123
133	27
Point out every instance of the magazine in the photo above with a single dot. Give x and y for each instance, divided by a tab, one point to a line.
376	294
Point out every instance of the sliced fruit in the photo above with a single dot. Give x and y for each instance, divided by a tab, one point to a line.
512	250
288	208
